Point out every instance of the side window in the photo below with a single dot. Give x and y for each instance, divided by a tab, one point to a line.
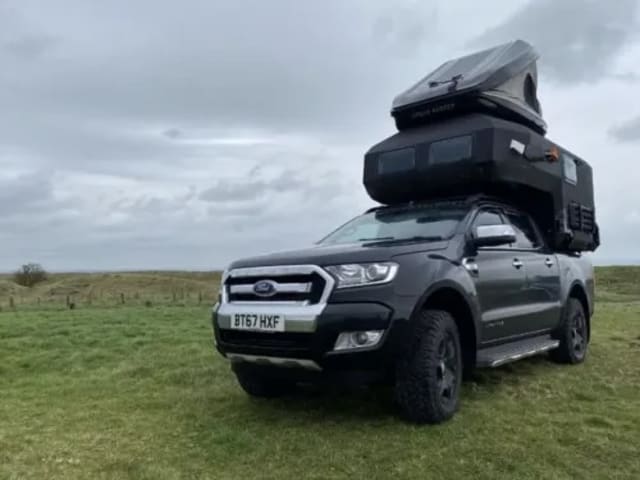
487	217
570	168
526	235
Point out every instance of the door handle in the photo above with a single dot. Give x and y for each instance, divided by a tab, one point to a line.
517	263
471	265
548	262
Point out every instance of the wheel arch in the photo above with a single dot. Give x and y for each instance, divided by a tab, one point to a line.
452	298
579	292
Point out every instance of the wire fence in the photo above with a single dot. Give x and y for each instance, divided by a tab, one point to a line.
177	297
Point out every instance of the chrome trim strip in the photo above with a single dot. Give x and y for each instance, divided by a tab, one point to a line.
275	361
279	302
279	288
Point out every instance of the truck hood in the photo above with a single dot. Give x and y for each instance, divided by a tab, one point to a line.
323	255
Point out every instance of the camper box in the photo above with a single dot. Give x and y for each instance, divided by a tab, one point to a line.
500	81
478	153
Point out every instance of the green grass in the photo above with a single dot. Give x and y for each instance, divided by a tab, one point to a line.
135	392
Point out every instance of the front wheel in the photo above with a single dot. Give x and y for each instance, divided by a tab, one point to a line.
429	374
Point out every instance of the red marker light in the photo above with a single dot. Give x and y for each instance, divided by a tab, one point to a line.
553	154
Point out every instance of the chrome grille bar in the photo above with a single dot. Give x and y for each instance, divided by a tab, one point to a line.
247	289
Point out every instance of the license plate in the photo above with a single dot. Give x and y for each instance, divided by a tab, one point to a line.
257	321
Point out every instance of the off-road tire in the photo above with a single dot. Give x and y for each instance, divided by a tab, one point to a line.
573	335
429	374
256	384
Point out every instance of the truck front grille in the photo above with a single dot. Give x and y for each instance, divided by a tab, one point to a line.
305	285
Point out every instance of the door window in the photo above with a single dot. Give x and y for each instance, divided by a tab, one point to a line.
526	235
487	217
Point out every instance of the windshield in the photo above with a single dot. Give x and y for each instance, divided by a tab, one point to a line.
433	222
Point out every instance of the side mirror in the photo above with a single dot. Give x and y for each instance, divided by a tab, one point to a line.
493	235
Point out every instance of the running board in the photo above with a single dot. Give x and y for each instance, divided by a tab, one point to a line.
510	352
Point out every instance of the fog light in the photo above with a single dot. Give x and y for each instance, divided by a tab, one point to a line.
362	339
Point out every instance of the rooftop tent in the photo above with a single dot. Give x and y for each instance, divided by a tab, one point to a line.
501	81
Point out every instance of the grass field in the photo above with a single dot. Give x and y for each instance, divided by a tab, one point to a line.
127	391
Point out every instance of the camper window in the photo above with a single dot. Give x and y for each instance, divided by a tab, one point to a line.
450	150
570	168
397	161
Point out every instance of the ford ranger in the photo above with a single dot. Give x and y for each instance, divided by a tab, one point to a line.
417	294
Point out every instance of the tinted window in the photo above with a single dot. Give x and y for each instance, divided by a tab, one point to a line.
450	150
487	217
397	161
570	168
526	236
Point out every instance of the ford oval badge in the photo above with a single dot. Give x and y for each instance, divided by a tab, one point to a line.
265	288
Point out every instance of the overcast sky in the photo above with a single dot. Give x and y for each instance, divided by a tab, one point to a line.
156	134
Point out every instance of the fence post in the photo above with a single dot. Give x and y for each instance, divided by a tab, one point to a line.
12	303
68	302
199	297
122	298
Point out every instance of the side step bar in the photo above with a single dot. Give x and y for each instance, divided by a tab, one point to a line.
510	352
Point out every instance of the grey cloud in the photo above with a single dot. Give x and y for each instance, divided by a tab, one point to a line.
578	39
627	132
30	47
403	29
26	192
254	186
215	82
628	77
227	190
173	133
175	137
236	210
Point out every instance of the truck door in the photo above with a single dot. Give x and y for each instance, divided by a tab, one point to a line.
542	299
500	281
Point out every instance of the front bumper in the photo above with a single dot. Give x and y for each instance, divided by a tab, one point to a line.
307	343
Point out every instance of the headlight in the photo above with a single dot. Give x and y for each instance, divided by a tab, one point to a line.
359	274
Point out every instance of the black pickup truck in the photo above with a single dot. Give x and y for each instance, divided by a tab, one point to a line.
417	294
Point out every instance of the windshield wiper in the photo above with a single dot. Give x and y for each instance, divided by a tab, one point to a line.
376	239
416	238
423	238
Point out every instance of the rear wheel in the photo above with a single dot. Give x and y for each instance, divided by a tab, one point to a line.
573	335
256	384
429	374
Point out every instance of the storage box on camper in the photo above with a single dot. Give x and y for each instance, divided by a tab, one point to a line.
478	153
